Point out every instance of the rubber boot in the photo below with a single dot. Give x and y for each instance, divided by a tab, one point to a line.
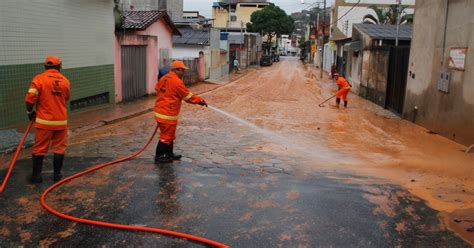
58	165
338	101
171	153
162	153
37	168
345	104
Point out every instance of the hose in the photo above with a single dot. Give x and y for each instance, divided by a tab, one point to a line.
15	157
102	223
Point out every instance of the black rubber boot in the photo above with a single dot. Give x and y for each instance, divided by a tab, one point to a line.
338	101
162	153
37	168
345	104
58	165
171	153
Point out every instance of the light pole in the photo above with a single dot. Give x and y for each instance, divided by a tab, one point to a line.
322	51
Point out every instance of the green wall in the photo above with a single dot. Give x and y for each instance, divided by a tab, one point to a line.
15	81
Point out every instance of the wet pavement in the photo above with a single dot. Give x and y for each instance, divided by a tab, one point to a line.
270	179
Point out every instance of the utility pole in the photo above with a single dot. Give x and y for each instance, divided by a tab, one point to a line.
398	22
324	27
241	40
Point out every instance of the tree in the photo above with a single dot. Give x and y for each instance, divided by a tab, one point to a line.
388	15
271	22
302	43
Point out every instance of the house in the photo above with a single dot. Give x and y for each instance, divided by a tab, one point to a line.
440	89
200	48
346	13
375	67
233	15
142	45
29	34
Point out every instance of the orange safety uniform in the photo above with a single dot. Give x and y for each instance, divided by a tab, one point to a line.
50	91
170	91
344	88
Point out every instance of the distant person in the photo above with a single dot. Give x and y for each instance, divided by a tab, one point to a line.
170	92
343	89
333	70
236	65
49	92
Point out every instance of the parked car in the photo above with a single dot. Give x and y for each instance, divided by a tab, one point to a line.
266	60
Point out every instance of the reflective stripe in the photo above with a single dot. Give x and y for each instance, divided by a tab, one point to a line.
33	91
166	117
51	123
188	96
347	87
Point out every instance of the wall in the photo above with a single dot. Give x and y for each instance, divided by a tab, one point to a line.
80	32
187	51
132	38
449	114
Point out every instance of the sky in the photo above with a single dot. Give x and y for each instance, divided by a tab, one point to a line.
205	6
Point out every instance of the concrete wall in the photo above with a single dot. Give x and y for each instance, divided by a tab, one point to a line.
186	51
80	32
449	114
157	38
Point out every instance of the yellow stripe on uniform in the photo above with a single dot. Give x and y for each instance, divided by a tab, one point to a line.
166	117
51	123
33	91
188	96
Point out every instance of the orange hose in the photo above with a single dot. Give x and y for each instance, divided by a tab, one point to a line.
15	157
101	223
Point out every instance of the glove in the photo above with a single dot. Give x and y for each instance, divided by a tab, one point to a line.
31	115
203	103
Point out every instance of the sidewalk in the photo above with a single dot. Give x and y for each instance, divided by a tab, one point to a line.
108	114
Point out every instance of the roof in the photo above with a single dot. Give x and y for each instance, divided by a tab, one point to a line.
190	36
141	20
385	31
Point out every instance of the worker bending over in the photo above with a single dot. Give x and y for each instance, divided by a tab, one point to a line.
343	89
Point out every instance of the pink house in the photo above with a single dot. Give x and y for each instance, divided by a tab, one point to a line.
142	46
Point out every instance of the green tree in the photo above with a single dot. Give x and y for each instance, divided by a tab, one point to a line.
388	15
271	22
302	43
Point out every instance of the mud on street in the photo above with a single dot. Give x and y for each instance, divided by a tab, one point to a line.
272	169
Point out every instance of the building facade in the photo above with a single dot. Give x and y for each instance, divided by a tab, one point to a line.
82	37
440	88
233	15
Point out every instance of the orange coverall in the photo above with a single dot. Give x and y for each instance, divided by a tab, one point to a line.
170	91
344	88
50	91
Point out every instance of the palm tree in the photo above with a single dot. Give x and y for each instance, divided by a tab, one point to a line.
388	15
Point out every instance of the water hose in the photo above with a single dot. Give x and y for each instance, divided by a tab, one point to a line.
102	223
15	157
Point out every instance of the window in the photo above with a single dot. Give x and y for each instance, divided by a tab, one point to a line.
233	18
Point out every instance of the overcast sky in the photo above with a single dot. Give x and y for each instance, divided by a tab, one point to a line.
205	6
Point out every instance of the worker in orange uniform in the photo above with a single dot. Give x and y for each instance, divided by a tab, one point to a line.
343	89
49	91
170	91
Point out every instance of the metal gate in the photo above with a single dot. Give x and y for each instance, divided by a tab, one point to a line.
133	72
397	78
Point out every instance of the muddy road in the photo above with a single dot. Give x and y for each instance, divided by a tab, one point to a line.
264	167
